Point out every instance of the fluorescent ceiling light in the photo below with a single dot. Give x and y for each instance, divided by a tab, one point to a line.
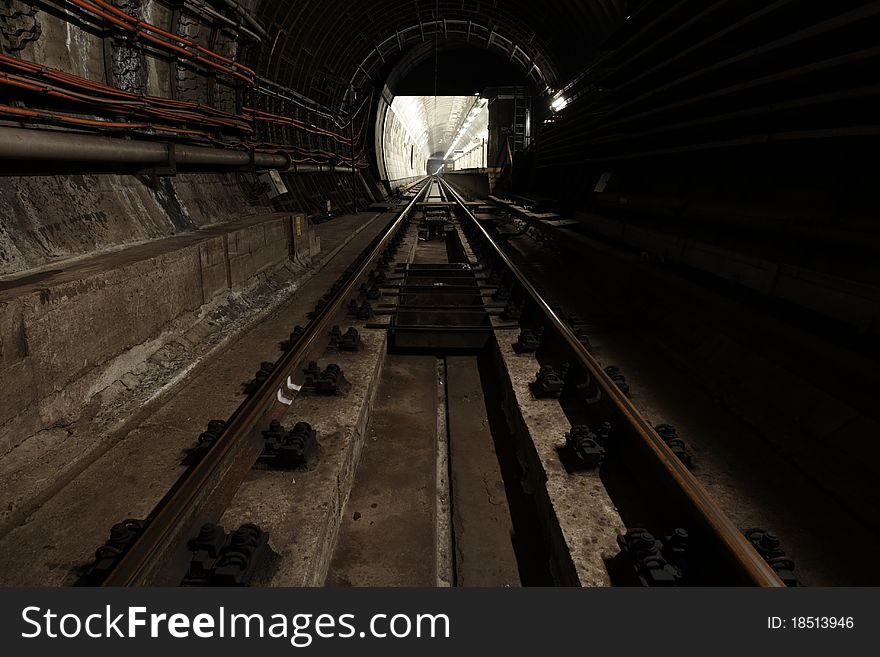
559	104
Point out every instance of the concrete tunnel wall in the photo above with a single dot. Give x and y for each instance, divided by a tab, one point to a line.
100	273
404	160
46	218
70	338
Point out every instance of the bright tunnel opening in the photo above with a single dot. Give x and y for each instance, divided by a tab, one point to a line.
424	135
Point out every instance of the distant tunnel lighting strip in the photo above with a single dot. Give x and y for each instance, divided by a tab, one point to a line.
478	107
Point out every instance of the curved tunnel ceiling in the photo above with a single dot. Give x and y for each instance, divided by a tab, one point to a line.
434	122
322	47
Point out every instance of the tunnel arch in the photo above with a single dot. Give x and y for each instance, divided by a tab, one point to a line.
534	63
390	143
326	52
548	40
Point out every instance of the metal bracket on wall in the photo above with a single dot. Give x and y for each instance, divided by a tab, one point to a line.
169	169
252	162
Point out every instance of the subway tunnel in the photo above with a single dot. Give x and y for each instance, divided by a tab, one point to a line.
438	293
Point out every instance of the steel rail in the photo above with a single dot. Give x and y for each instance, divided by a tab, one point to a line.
175	516
738	550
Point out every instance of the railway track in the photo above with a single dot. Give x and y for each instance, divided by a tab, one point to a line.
668	492
449	305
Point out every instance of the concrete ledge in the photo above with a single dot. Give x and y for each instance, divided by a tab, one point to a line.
255	249
476	183
578	515
67	335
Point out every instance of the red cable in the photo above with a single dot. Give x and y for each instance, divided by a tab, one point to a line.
143	30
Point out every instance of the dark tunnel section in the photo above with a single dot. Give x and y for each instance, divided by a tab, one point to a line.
436	164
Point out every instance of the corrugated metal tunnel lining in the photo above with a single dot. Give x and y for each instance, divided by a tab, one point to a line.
321	51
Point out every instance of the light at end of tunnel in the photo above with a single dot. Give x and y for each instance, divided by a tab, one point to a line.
559	104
